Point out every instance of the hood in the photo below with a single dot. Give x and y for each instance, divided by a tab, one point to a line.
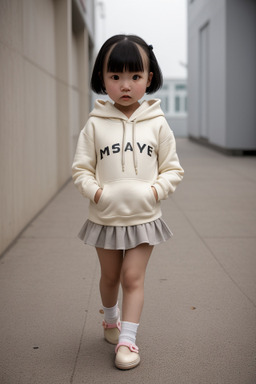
148	110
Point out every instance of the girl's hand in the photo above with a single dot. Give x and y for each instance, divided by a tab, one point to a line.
97	195
155	193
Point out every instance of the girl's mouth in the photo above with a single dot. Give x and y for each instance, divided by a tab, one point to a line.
125	97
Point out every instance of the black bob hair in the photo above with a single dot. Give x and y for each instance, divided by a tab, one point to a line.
125	55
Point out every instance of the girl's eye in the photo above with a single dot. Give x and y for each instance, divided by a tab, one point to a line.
115	77
135	77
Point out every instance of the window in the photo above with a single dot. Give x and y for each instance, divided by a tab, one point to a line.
179	87
186	104
177	104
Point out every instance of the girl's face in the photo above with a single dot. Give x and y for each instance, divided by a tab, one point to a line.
126	88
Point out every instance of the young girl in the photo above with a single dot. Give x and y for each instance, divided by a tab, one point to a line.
125	164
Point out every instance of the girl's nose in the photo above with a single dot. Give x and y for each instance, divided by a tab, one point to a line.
125	86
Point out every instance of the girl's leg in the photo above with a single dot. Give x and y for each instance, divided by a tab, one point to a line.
111	264
132	280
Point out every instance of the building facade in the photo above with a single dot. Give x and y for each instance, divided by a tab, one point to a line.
45	53
174	103
222	73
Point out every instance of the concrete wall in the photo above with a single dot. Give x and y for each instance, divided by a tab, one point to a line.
43	105
208	13
241	74
221	73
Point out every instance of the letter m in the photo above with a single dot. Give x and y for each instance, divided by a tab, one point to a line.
103	152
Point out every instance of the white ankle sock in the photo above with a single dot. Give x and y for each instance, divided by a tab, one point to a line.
111	314
128	332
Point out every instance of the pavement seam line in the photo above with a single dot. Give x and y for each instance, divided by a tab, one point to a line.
83	329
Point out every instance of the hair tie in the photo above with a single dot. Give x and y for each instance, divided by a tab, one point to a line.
150	47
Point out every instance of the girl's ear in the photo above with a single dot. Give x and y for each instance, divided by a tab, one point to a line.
150	76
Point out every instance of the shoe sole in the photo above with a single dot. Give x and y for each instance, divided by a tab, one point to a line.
113	342
127	365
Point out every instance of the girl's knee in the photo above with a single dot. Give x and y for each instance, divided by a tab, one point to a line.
110	280
131	280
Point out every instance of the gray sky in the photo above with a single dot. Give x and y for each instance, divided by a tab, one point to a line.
162	23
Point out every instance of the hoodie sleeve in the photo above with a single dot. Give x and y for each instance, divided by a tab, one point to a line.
170	172
84	165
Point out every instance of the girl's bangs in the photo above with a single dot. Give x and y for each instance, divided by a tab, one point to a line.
125	56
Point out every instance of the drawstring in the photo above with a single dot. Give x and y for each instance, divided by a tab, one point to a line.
123	144
135	159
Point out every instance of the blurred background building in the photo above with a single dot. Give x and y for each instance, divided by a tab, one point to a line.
45	59
222	73
174	103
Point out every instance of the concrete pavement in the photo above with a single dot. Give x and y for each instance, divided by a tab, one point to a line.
199	320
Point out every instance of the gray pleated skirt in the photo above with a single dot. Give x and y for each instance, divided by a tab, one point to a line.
126	237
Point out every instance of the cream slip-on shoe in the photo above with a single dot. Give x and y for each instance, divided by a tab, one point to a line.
112	331
127	356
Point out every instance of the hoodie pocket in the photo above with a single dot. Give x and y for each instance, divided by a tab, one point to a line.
129	198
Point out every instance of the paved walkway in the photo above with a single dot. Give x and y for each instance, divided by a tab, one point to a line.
199	319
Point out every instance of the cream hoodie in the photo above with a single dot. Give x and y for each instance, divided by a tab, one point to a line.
125	157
